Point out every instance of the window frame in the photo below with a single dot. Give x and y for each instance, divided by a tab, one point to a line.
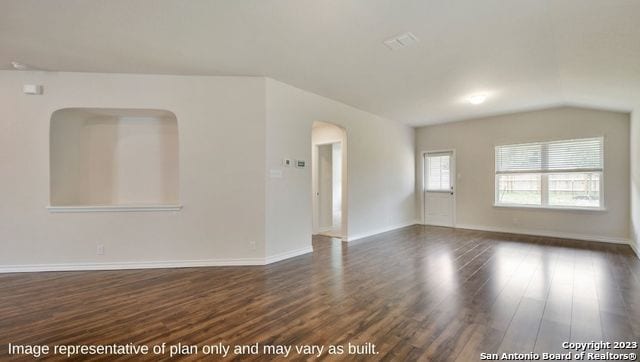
544	183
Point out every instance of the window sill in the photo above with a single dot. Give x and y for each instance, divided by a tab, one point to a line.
552	208
113	208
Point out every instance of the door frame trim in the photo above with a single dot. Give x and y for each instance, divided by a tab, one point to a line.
453	183
346	166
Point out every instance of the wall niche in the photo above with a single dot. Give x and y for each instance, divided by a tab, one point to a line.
109	159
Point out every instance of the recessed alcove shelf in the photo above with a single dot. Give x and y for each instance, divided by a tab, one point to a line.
113	160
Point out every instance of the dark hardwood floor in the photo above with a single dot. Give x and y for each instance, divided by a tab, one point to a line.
418	293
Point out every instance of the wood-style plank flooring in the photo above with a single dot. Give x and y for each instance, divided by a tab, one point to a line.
418	293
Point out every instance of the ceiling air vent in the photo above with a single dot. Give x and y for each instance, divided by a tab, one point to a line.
401	41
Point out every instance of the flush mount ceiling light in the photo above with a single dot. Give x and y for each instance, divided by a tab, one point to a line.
477	98
19	66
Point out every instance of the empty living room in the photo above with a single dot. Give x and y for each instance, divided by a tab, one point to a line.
377	180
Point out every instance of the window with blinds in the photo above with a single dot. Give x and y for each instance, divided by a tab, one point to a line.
438	172
564	173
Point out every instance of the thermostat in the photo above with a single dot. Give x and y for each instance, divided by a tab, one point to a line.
300	164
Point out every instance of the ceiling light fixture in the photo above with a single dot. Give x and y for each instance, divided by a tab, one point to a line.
19	66
477	98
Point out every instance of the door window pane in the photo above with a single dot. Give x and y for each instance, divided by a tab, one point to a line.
575	189
519	189
438	178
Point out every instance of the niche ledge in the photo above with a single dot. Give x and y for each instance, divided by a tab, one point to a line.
113	208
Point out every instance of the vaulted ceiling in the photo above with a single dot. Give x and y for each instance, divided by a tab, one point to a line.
524	54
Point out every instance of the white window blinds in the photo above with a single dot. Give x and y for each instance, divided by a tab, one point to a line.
580	155
438	172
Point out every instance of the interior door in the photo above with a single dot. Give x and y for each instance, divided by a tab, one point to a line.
439	192
325	187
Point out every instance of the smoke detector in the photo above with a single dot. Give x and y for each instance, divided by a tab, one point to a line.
401	41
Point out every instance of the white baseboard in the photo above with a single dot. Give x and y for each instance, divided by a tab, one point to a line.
286	255
381	230
551	234
153	264
130	265
635	248
113	208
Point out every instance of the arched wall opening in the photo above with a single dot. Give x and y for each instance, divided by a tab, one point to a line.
329	158
106	157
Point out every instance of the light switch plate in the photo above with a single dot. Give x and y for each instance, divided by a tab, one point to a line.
32	89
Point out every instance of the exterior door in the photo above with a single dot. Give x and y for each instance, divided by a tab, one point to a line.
439	197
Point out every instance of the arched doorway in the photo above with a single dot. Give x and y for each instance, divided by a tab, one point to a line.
329	179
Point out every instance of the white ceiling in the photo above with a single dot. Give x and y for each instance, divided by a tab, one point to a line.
525	54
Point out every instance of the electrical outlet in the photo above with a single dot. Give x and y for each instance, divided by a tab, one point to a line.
252	245
100	249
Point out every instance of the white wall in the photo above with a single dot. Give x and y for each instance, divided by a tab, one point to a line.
380	173
232	132
635	180
474	142
222	142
